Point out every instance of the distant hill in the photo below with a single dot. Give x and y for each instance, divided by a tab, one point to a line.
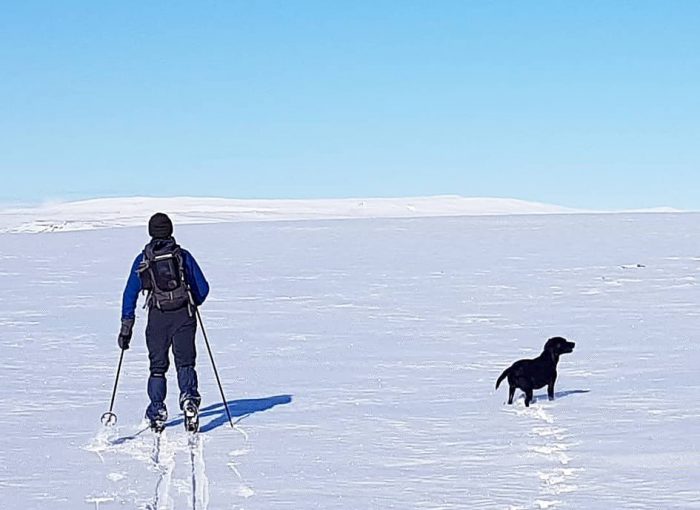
131	211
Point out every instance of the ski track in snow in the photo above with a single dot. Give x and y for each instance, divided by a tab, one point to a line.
162	455
360	356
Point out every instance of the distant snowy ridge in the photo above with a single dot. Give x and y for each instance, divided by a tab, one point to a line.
133	211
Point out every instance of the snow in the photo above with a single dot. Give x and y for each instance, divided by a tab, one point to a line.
360	357
120	212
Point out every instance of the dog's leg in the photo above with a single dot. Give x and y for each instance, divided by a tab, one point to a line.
550	386
511	393
528	397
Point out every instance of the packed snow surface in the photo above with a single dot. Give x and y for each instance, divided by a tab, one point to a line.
359	359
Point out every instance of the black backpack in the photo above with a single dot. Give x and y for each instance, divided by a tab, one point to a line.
162	274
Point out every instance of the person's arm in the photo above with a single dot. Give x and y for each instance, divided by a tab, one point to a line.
196	280
131	291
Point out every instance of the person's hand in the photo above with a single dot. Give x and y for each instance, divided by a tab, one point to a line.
125	333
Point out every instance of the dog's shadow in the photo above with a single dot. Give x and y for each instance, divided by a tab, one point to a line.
559	394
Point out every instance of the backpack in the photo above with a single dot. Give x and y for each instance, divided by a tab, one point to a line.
162	274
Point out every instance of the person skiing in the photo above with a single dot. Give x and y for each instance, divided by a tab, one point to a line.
175	285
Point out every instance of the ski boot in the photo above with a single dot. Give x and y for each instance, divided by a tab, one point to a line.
191	412
157	423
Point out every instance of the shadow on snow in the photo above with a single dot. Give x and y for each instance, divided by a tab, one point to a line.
559	394
240	409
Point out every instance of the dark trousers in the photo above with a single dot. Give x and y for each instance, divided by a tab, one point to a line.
176	329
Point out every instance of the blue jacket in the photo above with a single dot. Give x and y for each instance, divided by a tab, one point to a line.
193	275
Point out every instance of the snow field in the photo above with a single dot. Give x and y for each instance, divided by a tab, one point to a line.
360	357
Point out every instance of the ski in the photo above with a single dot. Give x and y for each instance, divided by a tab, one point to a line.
163	463
189	408
155	452
192	442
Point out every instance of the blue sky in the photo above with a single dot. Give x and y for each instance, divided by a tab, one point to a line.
588	104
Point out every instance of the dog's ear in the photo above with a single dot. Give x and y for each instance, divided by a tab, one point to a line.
551	344
555	347
557	341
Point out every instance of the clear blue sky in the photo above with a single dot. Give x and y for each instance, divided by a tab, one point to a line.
590	103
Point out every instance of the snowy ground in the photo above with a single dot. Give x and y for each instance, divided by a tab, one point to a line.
126	212
360	356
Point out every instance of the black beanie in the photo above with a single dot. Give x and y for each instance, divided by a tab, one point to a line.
160	226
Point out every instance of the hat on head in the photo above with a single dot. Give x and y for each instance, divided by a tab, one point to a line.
160	226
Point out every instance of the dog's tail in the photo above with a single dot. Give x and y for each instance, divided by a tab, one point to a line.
503	376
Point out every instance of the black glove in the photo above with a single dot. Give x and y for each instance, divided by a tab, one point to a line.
125	333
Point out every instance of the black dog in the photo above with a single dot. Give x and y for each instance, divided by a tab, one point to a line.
532	374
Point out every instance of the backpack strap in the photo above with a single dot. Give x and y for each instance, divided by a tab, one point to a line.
144	267
181	264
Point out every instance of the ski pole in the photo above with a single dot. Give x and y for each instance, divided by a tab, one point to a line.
109	418
216	373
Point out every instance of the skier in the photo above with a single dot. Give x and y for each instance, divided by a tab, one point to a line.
175	285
